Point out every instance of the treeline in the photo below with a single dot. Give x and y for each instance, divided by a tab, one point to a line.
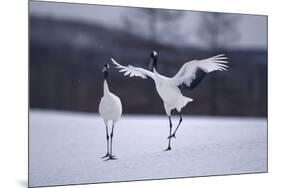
66	58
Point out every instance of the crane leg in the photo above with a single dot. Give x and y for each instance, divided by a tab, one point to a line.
169	143
107	143
111	157
174	134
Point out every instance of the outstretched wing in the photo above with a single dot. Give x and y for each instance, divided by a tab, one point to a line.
193	72
133	71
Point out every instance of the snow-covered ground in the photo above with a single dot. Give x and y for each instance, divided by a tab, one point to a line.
65	148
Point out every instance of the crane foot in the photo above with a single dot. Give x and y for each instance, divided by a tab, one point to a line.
106	155
169	148
111	157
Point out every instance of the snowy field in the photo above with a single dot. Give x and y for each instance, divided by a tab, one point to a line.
66	148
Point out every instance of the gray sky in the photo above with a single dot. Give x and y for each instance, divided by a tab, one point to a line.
252	29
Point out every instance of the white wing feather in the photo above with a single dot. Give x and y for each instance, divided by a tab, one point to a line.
133	71
187	73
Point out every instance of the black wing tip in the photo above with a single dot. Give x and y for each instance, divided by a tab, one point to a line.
200	74
184	86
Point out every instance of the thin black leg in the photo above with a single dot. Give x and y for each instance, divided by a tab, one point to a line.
111	136
169	143
174	134
107	143
111	139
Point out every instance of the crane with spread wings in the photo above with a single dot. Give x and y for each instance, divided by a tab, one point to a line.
169	88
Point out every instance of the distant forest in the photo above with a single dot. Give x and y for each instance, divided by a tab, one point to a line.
66	58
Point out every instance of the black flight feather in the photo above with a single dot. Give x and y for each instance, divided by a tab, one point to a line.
199	75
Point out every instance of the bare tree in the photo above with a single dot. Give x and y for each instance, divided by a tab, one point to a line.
148	20
217	31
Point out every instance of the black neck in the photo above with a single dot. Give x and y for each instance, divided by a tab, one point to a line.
105	74
155	62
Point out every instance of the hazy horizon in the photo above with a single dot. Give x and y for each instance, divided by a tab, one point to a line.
252	29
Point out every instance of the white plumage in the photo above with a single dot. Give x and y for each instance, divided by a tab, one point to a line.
133	71
167	88
187	73
190	75
110	109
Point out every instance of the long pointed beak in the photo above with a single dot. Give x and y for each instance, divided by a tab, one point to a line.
104	69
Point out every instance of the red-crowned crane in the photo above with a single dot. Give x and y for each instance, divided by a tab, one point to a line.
189	76
110	109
